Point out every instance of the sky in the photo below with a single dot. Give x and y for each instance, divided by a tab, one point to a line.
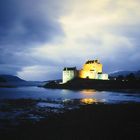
40	37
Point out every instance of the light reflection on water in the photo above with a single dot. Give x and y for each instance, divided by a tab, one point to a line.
88	100
86	95
47	101
88	91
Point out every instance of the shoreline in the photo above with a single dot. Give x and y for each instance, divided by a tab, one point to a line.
96	121
99	85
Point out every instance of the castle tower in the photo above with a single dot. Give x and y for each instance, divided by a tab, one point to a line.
91	69
69	73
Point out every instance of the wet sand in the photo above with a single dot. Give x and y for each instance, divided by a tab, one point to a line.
90	122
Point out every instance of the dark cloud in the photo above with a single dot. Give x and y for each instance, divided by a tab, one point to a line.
9	69
25	22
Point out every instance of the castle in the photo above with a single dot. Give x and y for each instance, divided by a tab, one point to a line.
92	69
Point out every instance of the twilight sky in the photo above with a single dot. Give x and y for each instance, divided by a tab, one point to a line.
40	37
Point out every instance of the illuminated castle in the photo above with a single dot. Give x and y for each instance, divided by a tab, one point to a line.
69	74
92	69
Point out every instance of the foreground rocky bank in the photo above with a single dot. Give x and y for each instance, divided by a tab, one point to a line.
96	121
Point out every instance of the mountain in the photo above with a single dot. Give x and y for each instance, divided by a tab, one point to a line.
138	73
2	80
124	73
11	78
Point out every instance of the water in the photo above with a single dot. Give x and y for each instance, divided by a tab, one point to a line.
60	94
22	104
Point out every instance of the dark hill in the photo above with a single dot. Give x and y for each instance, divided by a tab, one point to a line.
2	79
124	73
14	81
10	78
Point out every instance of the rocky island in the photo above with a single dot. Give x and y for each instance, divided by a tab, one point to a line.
91	76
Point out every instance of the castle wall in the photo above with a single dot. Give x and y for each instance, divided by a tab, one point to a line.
69	75
91	69
103	76
93	66
88	74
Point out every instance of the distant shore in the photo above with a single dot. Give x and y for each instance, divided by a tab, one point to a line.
7	86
